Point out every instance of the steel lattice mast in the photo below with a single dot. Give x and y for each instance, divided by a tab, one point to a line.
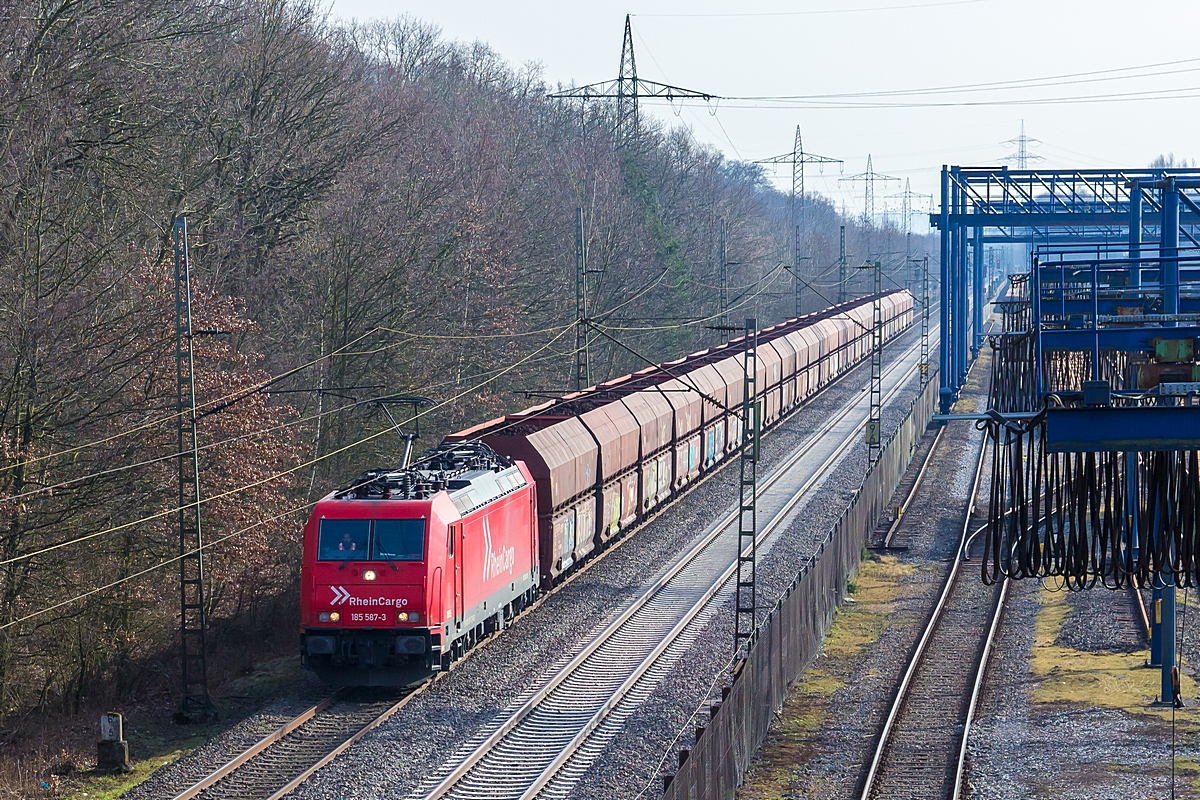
627	94
745	590
583	377
626	90
195	704
869	177
797	201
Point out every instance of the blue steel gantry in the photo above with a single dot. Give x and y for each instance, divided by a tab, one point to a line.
1096	375
1078	208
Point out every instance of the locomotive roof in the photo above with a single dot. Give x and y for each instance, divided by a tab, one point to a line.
471	473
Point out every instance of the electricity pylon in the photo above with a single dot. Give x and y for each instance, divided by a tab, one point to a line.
626	90
1022	156
869	177
797	202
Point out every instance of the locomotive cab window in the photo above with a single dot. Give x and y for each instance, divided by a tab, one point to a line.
398	540
343	539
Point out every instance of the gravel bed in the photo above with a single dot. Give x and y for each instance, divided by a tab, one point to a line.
836	750
1102	621
394	758
173	778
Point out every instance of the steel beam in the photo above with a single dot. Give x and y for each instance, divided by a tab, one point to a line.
1108	429
977	293
1124	339
1135	233
1169	249
946	392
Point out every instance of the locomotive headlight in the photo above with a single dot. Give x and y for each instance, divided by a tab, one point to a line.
413	616
334	616
402	616
369	575
323	616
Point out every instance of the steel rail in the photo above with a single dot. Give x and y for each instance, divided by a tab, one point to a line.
341	748
263	744
297	724
461	770
927	634
960	766
912	492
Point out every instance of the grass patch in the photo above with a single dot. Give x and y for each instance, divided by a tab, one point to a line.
796	735
1106	680
110	787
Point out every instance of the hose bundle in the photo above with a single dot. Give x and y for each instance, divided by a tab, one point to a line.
1068	515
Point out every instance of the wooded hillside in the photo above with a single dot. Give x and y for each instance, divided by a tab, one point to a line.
373	211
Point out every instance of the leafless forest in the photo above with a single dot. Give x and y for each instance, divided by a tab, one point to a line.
373	210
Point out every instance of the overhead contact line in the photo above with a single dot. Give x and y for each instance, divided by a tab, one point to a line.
341	352
283	473
261	431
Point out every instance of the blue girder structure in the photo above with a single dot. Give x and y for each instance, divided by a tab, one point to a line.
1114	306
1099	210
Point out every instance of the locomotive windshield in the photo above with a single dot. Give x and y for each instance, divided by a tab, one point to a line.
371	540
343	539
398	540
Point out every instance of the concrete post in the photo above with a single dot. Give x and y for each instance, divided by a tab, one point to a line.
112	751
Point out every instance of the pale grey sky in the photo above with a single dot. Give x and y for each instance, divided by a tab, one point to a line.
821	47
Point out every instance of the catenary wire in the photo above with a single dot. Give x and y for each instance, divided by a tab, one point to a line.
251	434
774	274
143	426
208	546
277	475
245	391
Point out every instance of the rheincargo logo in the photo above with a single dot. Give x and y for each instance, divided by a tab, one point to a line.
340	595
496	563
377	601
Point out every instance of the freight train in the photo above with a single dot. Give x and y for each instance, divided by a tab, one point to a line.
405	570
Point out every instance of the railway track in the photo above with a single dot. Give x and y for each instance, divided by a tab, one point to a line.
284	759
922	745
886	531
522	755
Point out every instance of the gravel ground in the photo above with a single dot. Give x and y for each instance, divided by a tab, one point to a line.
827	729
1098	752
1102	621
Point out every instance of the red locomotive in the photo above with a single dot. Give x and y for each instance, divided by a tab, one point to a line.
405	570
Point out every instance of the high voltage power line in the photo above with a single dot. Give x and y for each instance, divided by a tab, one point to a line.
820	12
877	97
